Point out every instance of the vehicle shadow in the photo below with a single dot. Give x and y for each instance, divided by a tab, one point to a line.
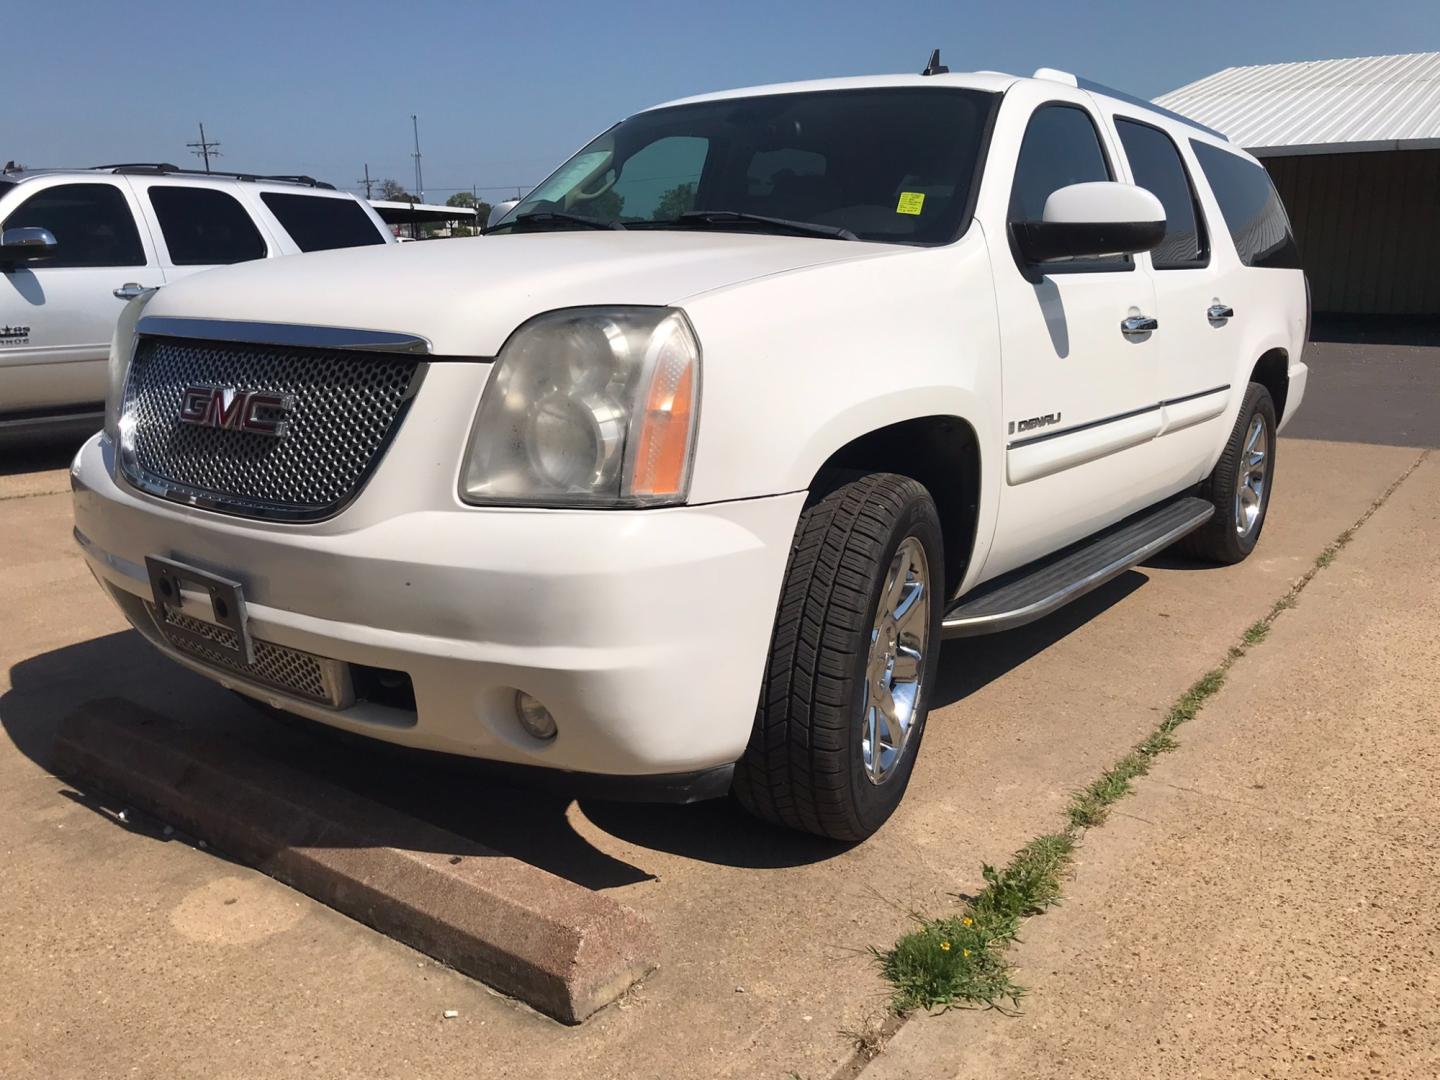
477	811
967	665
31	451
447	793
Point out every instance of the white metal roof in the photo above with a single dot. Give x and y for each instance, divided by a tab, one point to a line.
1320	106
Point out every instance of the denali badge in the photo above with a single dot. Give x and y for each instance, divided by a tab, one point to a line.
1034	422
257	411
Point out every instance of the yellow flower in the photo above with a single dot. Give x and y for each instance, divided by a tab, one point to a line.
945	946
968	921
964	952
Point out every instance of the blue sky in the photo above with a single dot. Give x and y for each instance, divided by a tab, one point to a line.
505	91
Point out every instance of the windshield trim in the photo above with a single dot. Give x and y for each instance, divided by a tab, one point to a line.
967	216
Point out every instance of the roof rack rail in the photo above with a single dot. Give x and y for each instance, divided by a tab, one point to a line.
140	166
1056	75
164	168
1131	99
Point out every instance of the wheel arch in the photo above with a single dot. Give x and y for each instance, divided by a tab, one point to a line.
942	452
1272	371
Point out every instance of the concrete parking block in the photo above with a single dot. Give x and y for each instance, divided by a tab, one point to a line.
561	948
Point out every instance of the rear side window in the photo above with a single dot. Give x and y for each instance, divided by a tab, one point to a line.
1253	211
317	223
1061	147
205	227
92	225
1156	165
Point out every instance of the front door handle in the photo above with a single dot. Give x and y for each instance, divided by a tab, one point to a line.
130	290
1220	312
1137	325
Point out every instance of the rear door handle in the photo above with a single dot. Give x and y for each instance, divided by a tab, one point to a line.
1220	312
1136	325
130	290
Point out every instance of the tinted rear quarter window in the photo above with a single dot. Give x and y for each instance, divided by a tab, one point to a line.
1156	166
318	223
1253	211
205	227
92	225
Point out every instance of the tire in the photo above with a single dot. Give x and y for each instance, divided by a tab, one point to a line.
1221	539
809	764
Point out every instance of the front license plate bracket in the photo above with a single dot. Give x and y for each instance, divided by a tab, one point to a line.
201	595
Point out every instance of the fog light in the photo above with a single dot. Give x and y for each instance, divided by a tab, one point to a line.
534	717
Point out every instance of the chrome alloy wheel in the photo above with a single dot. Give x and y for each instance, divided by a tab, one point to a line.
1250	478
896	664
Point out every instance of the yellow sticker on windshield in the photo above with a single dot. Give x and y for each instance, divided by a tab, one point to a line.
911	202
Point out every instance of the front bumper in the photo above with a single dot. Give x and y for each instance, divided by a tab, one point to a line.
643	632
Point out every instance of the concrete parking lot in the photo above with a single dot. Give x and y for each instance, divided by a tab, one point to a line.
129	952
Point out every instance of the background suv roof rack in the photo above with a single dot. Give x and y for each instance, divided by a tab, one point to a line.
167	169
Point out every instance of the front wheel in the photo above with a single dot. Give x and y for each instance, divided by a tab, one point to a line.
1240	484
852	659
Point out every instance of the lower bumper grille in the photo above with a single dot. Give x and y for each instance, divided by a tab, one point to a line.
291	671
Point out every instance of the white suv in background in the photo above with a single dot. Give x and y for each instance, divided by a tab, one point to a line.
674	482
76	244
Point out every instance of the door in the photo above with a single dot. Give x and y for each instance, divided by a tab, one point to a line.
65	303
1079	393
1196	346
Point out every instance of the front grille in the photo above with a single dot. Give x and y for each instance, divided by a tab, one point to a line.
347	406
302	674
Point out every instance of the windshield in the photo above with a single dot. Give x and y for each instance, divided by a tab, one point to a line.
893	165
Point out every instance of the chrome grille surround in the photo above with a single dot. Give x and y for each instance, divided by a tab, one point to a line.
348	405
292	671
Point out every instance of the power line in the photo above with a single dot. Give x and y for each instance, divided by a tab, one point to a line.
205	149
367	181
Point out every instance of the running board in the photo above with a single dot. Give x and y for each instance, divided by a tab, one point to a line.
1034	591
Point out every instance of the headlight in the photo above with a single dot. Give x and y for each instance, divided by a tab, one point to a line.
588	407
122	349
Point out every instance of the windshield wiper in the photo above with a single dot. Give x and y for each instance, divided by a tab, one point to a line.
803	228
559	217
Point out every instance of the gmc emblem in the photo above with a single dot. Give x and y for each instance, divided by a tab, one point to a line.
259	412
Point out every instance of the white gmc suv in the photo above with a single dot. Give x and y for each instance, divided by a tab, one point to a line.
75	244
674	483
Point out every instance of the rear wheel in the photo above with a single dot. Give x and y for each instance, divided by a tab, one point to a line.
846	691
1239	487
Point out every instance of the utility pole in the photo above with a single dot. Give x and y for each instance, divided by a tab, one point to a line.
367	181
205	149
419	183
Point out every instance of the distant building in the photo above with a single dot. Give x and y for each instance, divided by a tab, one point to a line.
1354	149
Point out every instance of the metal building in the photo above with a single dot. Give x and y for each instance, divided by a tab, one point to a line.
1354	149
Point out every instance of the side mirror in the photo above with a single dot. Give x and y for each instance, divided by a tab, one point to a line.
498	211
25	244
1089	220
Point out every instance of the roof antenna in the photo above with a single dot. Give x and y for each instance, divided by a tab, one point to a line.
934	67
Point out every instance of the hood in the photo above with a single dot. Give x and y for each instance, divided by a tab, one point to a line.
467	295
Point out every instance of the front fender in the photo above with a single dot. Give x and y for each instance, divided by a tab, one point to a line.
797	365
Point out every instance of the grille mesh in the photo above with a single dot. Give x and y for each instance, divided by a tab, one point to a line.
347	405
300	673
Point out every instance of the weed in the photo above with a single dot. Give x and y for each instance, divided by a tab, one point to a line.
869	1038
958	960
1256	632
